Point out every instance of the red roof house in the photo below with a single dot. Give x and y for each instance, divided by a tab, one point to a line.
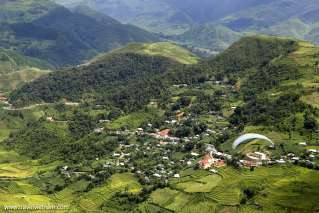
164	133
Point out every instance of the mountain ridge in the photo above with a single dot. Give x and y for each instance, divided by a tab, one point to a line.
53	33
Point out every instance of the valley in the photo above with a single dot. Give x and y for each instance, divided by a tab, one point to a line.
102	147
159	106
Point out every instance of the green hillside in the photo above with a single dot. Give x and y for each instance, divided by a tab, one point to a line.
108	73
17	69
45	30
209	38
13	80
11	61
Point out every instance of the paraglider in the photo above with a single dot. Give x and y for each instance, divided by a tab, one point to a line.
251	136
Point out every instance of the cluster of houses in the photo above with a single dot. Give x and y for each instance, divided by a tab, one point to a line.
209	161
164	135
254	159
215	159
165	165
162	167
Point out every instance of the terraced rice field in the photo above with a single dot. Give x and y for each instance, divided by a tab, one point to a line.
14	170
203	184
286	189
94	199
229	196
311	99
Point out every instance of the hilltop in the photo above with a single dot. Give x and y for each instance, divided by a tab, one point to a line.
163	49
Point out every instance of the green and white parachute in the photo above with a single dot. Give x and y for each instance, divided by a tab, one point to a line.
249	137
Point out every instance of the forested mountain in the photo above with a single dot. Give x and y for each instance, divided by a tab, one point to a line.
210	25
50	32
211	10
168	17
156	16
148	77
126	77
283	17
108	78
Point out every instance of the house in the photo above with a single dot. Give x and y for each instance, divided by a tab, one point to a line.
164	133
214	171
312	156
98	130
163	143
314	151
295	158
303	144
194	154
177	176
207	161
219	163
50	119
281	161
179	115
157	175
250	164
255	159
3	98
116	154
211	148
257	156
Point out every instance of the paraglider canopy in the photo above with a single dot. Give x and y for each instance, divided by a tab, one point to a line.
251	136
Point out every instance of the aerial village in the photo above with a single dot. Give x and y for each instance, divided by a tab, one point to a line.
160	146
160	161
157	152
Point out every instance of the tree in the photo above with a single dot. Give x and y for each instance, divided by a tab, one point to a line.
115	113
81	124
310	121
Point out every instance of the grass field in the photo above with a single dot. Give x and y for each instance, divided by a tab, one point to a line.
312	99
134	120
11	81
165	49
